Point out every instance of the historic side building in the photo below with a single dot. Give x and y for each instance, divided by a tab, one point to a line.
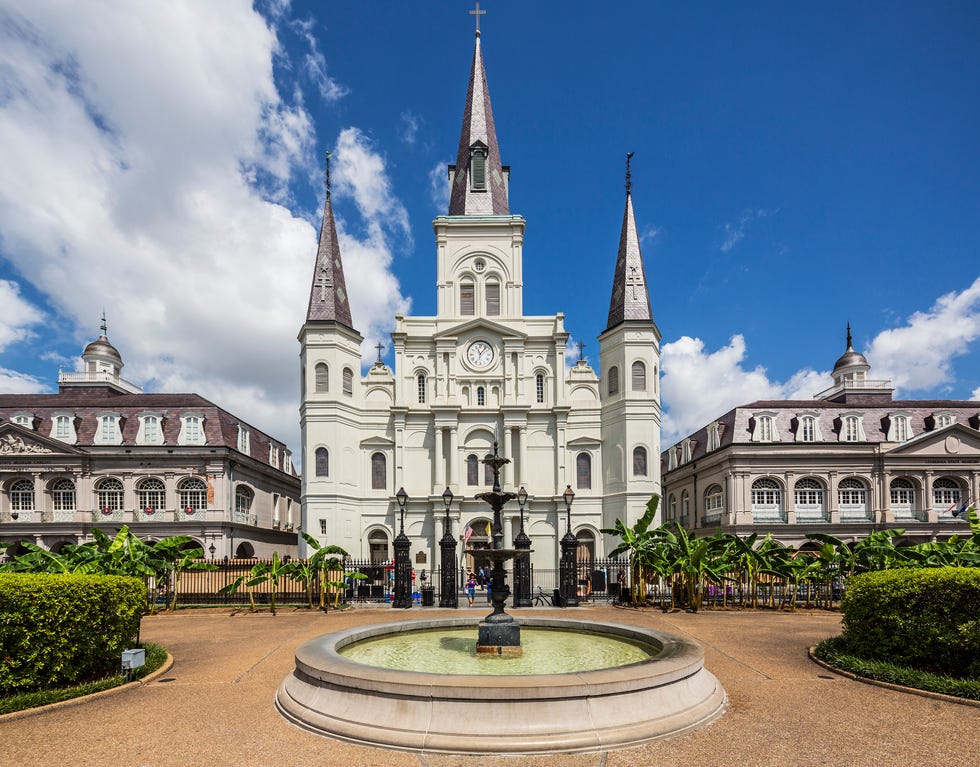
100	453
479	372
847	462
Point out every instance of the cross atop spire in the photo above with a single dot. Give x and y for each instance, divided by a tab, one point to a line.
581	352
380	347
103	327
629	182
478	13
329	154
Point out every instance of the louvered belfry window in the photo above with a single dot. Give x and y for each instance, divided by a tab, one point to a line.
614	380
322	377
639	376
348	382
493	299
478	170
466	298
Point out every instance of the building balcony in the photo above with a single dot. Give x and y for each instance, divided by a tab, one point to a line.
878	386
88	378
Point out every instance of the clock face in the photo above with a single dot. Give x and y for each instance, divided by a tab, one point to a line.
480	353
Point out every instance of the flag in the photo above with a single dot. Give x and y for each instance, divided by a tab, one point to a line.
488	530
467	534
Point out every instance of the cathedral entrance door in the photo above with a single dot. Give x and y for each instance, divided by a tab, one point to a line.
477	536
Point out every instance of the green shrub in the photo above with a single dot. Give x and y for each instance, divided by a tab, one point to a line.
60	630
928	619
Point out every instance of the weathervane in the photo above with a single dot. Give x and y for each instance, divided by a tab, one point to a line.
629	183
105	328
478	13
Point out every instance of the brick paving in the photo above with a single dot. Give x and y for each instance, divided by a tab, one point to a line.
215	706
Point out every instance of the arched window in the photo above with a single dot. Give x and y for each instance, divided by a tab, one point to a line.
945	496
379	471
481	396
492	290
467	299
193	494
22	495
902	493
765	428
767	500
421	383
808	498
487	473
850	430
714	503
539	388
614	380
472	470
348	382
685	508
672	506
807	429
852	498
243	503
322	462
639	376
321	373
109	494
63	495
151	494
639	461
585	553
583	471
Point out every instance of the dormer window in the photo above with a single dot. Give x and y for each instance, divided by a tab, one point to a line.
478	167
191	432
108	432
899	428
686	450
671	458
150	431
765	428
714	436
23	419
63	427
852	428
808	428
274	456
944	419
243	441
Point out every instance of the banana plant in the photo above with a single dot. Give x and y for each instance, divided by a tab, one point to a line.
633	541
269	572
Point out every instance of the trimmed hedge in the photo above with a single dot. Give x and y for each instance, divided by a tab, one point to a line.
61	630
928	619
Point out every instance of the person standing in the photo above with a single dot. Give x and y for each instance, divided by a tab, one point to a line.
471	588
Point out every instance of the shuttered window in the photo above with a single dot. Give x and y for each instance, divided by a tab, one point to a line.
583	471
466	298
348	382
493	299
614	380
322	379
478	171
379	471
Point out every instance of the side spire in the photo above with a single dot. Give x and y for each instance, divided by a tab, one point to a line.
630	299
479	186
328	295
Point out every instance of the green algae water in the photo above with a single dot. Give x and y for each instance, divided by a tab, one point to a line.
453	651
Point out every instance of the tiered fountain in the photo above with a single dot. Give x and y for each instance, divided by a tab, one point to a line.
575	685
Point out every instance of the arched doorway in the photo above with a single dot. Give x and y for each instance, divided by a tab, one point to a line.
245	550
378	547
477	537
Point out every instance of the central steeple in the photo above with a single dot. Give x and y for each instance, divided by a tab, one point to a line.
479	181
630	299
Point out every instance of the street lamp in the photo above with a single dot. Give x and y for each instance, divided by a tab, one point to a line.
212	549
522	562
448	595
568	566
403	564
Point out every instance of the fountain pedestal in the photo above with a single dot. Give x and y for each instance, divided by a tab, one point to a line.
498	633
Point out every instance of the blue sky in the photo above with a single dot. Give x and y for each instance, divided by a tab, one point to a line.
796	167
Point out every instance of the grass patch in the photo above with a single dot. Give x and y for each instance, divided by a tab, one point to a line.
836	652
155	657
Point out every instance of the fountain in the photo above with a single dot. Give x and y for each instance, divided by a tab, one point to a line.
419	685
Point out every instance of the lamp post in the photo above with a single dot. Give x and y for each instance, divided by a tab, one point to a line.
212	549
522	562
403	564
568	566
448	594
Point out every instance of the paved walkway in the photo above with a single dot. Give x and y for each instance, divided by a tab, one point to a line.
215	706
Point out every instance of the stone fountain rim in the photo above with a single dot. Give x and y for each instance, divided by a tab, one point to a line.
677	659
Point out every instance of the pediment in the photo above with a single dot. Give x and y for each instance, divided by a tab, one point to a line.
955	440
377	441
584	442
17	441
480	323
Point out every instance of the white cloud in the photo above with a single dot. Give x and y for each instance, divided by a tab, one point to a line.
410	128
976	394
918	356
735	233
146	158
314	62
17	316
439	187
12	382
699	386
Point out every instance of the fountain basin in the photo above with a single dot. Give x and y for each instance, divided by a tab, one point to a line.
666	695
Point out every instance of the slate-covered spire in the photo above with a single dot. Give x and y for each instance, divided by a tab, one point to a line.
630	298
328	295
478	184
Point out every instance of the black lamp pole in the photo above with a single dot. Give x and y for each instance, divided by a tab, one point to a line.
403	564
522	562
448	594
568	566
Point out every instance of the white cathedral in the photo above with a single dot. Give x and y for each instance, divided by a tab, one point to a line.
477	373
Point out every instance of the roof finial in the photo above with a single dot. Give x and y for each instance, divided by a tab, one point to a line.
478	13
103	326
581	353
629	183
380	347
849	344
329	154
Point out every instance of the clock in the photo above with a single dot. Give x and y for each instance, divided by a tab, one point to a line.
480	353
